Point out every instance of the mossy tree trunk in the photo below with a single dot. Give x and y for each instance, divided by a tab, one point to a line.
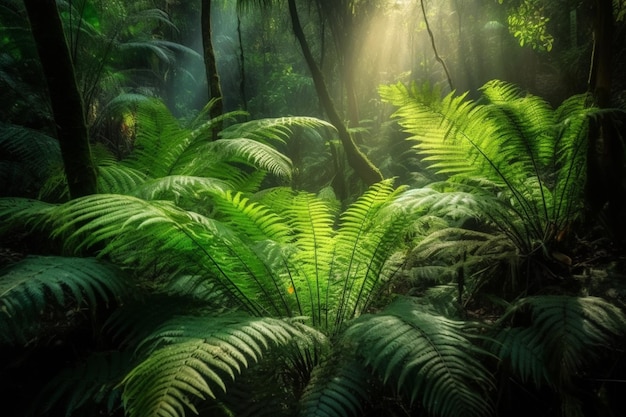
357	160
65	99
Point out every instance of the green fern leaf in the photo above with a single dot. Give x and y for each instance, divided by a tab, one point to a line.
197	360
429	357
337	388
370	231
565	336
91	382
271	130
37	283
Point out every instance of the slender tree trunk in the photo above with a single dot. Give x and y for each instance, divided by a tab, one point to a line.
65	99
242	66
210	64
357	160
605	156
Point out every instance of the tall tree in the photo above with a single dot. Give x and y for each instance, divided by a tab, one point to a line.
357	159
65	99
210	63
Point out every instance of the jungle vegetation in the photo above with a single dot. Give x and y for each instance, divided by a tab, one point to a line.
312	208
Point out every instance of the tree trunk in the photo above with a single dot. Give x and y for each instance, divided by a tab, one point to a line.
242	67
65	99
357	160
605	156
210	65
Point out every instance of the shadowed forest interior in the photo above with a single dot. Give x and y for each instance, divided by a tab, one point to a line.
322	208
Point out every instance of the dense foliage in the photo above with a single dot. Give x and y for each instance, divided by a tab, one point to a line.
237	263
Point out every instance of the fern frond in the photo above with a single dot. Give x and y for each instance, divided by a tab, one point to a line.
370	231
197	360
429	357
311	221
246	151
116	178
23	212
160	140
159	235
36	283
254	220
565	336
337	388
91	382
28	157
272	130
176	187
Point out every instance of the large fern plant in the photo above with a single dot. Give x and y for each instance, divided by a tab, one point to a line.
515	168
290	274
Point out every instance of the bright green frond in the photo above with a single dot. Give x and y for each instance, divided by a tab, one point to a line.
248	151
37	282
311	221
370	231
117	178
177	187
429	358
271	130
200	356
157	235
252	219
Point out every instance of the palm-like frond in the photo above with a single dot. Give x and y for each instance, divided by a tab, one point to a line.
194	357
430	358
38	282
565	336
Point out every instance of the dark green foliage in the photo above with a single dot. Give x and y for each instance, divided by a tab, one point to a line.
559	340
28	158
338	388
40	285
89	387
429	358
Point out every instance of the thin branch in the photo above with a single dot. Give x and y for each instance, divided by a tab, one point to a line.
432	41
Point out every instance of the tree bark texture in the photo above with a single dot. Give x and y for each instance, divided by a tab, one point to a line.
210	65
65	99
357	160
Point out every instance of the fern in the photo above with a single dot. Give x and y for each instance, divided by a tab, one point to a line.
338	387
38	283
197	360
28	158
514	141
566	335
515	166
369	233
271	130
429	357
91	383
